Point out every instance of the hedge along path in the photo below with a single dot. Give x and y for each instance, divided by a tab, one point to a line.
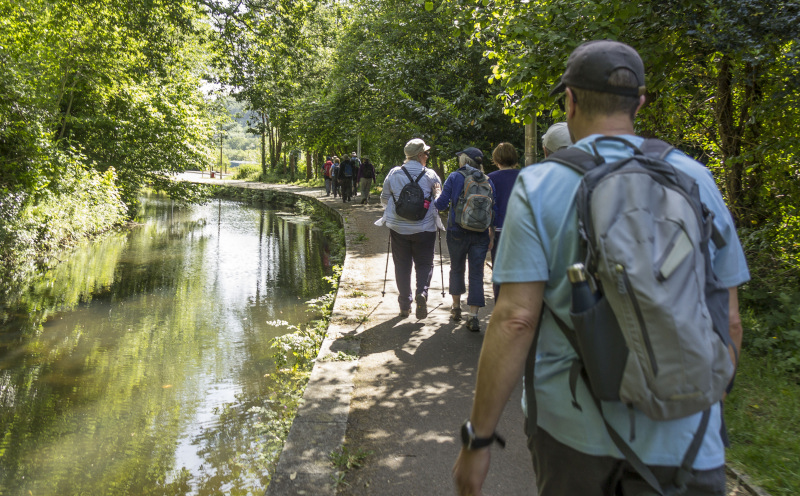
398	406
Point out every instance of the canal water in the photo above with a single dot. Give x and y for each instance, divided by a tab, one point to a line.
141	364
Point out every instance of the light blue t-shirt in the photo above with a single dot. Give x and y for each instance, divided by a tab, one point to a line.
541	229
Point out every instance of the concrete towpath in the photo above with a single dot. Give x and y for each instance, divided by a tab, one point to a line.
392	392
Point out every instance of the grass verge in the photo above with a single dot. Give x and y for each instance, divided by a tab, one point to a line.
762	417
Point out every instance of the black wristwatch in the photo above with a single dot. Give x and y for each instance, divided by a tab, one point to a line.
470	442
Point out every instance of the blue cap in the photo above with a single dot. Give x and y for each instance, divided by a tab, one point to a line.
472	153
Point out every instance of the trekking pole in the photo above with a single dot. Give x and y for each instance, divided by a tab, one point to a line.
441	268
386	271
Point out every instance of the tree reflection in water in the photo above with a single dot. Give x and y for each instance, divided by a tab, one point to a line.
141	363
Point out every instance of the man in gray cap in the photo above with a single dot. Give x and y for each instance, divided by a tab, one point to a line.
413	242
573	453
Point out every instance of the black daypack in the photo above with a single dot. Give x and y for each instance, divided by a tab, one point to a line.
657	339
410	203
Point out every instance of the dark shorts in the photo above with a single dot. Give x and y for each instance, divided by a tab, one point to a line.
561	470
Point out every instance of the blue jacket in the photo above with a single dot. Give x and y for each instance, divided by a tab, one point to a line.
451	191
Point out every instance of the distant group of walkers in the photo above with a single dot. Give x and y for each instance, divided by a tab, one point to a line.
615	265
346	177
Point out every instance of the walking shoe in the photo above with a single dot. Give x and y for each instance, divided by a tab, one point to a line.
455	313
422	306
405	313
473	324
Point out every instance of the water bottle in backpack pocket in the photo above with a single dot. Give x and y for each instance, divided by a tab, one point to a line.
598	337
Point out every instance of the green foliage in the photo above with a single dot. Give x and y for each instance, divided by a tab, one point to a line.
761	416
400	74
79	203
274	419
115	81
293	355
98	99
771	300
721	80
344	459
247	172
340	356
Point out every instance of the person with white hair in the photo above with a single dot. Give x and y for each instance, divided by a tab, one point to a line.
467	248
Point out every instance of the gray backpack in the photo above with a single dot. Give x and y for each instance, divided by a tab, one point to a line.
657	339
474	207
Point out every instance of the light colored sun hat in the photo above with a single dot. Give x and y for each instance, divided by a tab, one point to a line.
414	147
557	137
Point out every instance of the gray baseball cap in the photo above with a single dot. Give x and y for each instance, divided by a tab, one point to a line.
590	65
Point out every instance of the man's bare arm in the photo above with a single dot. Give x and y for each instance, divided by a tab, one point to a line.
734	323
509	336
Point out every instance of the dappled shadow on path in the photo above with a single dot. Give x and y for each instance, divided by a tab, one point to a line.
413	389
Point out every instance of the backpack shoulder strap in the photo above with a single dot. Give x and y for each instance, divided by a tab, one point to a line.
407	174
576	159
656	148
424	170
465	174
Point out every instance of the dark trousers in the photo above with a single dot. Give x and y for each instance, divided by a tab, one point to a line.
468	246
416	249
336	187
347	189
561	470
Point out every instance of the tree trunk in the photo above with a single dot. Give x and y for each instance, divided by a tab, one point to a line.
263	144
279	150
755	210
729	138
309	169
273	155
69	109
